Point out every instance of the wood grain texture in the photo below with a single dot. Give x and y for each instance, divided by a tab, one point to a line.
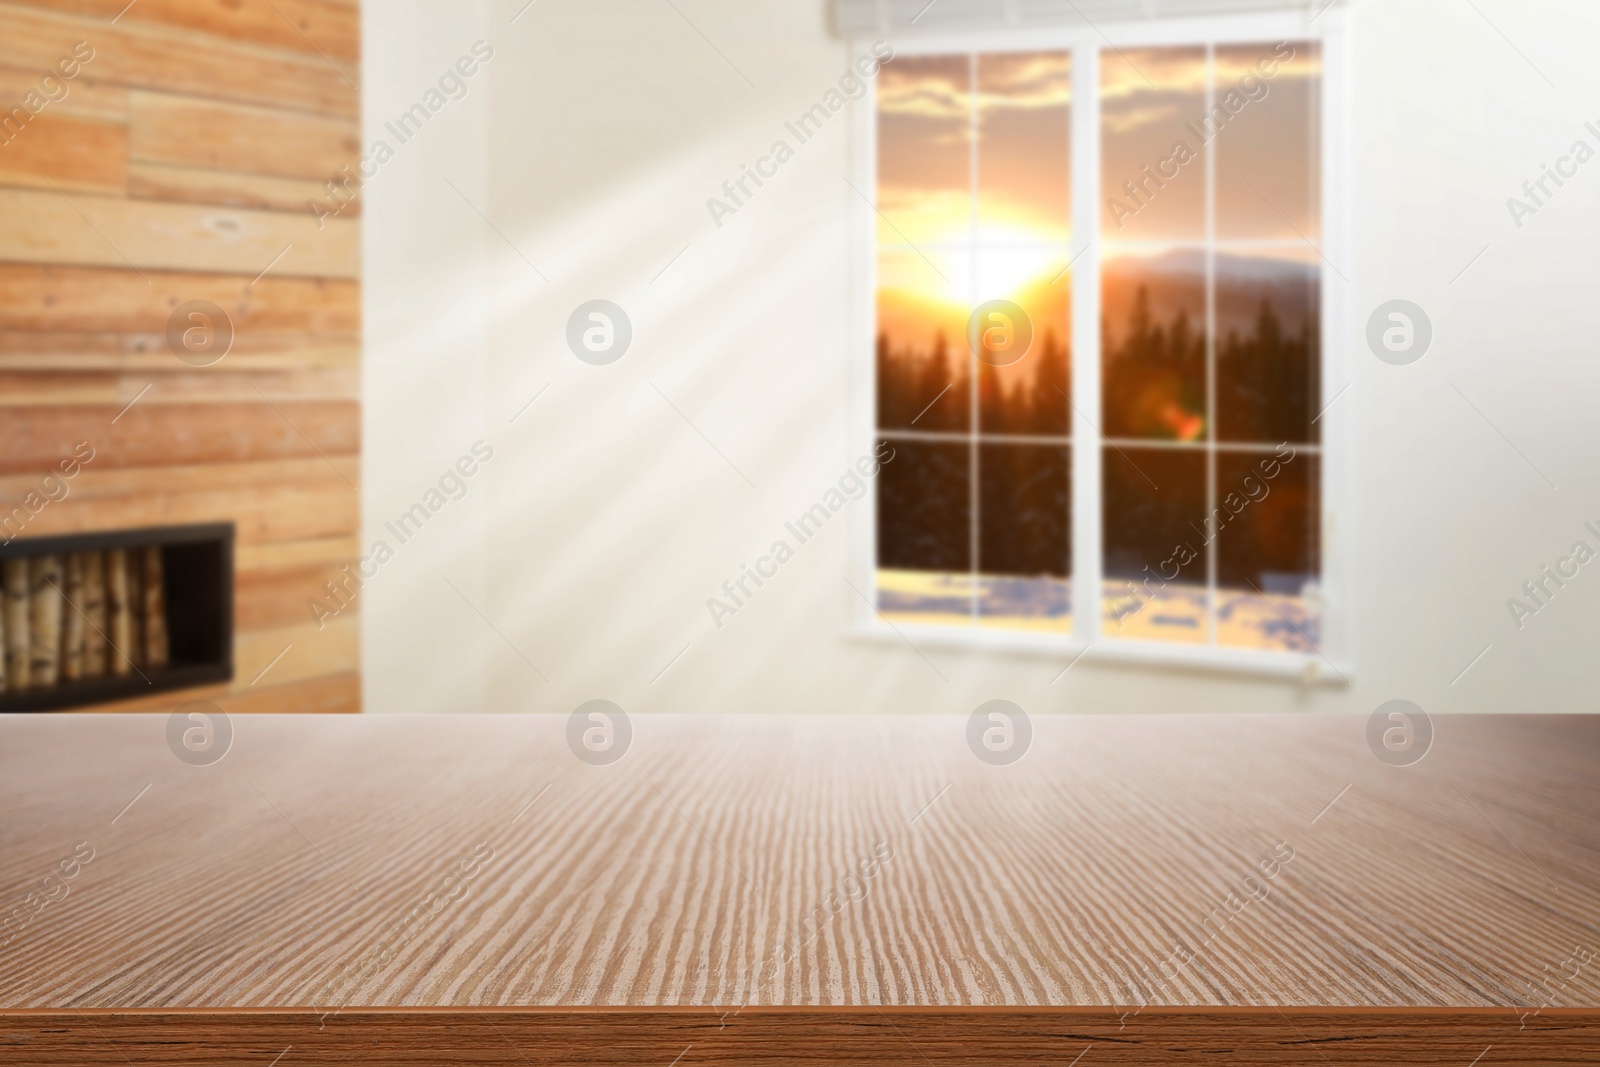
811	1037
283	500
464	862
308	26
157	181
248	558
173	166
73	153
298	652
86	96
172	59
271	597
151	433
88	230
222	136
85	385
139	354
37	297
323	694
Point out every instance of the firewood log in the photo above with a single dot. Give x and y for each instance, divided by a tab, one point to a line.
72	627
18	624
134	561
118	614
94	611
155	609
44	645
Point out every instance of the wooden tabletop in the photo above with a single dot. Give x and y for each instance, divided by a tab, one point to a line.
1150	888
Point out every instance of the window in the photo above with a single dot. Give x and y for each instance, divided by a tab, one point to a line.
1098	325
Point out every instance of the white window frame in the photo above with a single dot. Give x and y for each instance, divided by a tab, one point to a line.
1333	661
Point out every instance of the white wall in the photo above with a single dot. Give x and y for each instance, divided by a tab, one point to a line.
610	519
425	296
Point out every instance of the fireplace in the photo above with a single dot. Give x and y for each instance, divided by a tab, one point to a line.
91	618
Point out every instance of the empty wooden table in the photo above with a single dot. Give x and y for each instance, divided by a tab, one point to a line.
505	890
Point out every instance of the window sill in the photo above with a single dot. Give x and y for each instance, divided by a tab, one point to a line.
1308	668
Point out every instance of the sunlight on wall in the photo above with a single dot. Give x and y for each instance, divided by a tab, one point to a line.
624	496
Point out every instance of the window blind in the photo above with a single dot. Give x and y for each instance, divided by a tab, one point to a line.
853	18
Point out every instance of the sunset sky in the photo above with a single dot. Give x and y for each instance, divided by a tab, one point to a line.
1009	235
1147	96
1019	209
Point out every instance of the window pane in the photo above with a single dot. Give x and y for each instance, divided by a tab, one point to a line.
1024	536
1267	527
924	126
1152	167
1155	559
1032	394
974	169
1268	345
925	532
1024	108
1153	367
1268	133
923	363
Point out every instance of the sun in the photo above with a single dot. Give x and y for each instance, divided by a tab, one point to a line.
1008	260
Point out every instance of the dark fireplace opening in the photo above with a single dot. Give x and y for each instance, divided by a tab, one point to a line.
92	618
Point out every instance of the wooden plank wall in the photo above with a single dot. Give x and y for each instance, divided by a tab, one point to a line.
178	167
